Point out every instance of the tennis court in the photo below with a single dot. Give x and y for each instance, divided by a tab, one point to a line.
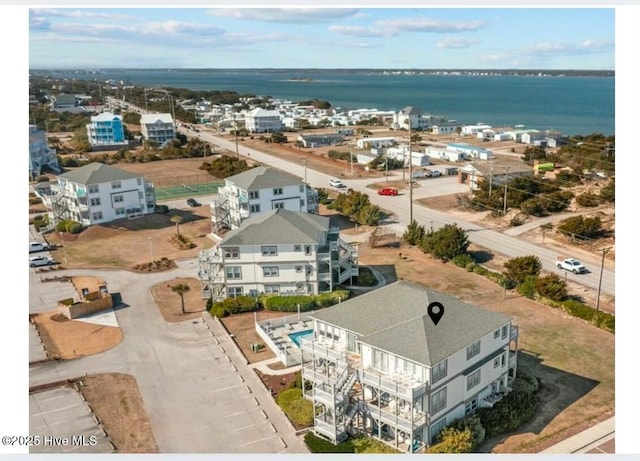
186	190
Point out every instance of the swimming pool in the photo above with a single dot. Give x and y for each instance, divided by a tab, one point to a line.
295	337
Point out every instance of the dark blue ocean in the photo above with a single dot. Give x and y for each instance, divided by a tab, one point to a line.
573	105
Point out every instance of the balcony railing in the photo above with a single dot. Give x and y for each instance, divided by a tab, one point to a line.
400	418
514	332
398	386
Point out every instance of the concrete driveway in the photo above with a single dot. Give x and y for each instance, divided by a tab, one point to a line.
199	393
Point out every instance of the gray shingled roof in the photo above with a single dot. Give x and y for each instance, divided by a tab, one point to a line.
410	110
96	173
263	178
278	227
394	318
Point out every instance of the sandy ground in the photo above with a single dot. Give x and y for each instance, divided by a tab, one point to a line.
169	305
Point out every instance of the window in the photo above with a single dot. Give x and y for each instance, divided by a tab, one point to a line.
269	251
298	269
309	270
139	181
297	247
140	195
97	216
310	289
439	371
505	330
119	211
270	271
234	291
436	428
380	360
118	198
271	289
473	350
94	189
301	187
254	195
254	208
473	379
307	250
278	206
439	400
503	360
496	334
277	191
95	201
234	272
496	362
232	252
470	406
116	185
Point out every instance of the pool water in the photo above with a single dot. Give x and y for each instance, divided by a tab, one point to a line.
295	337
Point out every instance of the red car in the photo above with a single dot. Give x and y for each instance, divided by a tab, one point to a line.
388	191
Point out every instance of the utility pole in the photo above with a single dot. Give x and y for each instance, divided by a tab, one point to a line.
410	176
506	184
386	168
490	175
235	129
305	170
604	251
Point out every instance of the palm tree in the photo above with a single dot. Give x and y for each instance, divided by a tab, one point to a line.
176	218
180	289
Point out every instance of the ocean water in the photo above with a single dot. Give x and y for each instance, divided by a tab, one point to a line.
573	105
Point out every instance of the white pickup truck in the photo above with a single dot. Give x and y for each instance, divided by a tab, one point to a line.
571	265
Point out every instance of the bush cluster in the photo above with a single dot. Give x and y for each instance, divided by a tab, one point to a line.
228	306
67	225
357	206
162	209
307	303
319	445
40	221
588	200
600	319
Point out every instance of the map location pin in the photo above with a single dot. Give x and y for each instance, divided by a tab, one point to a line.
435	311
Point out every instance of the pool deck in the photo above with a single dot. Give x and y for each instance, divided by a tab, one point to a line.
278	331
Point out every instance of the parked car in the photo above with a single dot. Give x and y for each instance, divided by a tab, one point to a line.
337	183
435	173
192	202
37	246
35	261
388	191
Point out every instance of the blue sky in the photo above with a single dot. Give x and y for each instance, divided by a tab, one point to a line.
549	38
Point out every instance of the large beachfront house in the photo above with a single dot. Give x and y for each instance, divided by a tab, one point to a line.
263	121
158	128
106	131
256	191
279	252
378	364
97	193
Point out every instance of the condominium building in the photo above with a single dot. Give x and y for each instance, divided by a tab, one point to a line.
378	364
279	252
259	190
263	121
40	154
97	193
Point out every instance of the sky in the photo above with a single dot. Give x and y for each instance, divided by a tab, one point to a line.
479	38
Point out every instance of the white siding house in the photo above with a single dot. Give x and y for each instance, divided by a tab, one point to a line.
263	121
159	128
279	252
378	364
98	193
260	190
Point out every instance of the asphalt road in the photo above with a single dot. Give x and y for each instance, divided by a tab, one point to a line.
493	240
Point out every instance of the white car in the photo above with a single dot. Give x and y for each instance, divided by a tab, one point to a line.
37	246
336	183
36	261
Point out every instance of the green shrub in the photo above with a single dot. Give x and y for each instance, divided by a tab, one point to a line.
40	221
218	310
552	287
319	445
371	445
307	303
480	270
528	287
469	267
471	422
515	409
414	233
462	260
42	178
588	200
162	209
451	440
67	225
521	267
296	407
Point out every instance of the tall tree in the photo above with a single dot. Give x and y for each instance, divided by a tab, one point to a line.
181	289
177	219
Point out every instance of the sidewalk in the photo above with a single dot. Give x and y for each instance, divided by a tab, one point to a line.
586	440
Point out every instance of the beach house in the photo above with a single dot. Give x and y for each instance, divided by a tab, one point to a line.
106	131
40	153
158	128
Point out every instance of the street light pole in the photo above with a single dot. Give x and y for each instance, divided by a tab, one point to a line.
235	124
150	248
506	185
410	176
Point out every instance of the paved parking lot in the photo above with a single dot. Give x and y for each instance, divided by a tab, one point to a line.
37	351
64	423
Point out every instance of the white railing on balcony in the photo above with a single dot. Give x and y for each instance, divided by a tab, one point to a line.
514	332
320	348
395	385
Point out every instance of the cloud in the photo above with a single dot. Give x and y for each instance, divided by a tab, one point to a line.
286	15
180	28
51	12
430	26
457	42
559	49
359	31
